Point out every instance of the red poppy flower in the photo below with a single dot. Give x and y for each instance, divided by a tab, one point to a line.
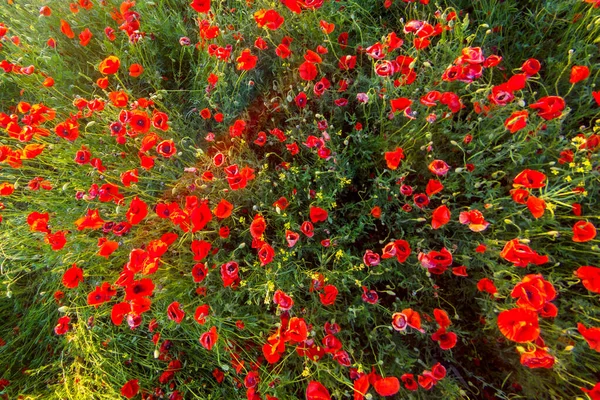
400	104
436	262
166	148
387	386
583	231
590	277
316	391
223	209
446	340
31	151
201	313
536	205
6	189
579	73
271	353
596	96
433	187
361	387
439	167
101	294
441	317
266	254
369	296
135	70
394	158
209	339
460	271
175	313
283	51
130	176
537	358
84	37
297	330
474	219
519	195
130	389
270	19
331	344
521	255
329	295
440	217
246	61
519	325
72	277
591	336
282	203
516	121
119	311
409	382
531	67
65	28
67	130
224	232
62	326
398	248
301	100
549	107
321	86
307	228
326	27
91	220
308	71
138	289
138	210
371	259
318	214
201	6
408	317
533	292
230	274
376	212
258	226
594	392
109	65
284	301
200	217
426	381
487	285
530	179
199	272
107	247
139	121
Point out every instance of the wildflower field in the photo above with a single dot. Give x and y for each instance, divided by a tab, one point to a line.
299	199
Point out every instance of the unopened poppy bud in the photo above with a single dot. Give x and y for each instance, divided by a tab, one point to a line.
63	309
156	353
242	245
